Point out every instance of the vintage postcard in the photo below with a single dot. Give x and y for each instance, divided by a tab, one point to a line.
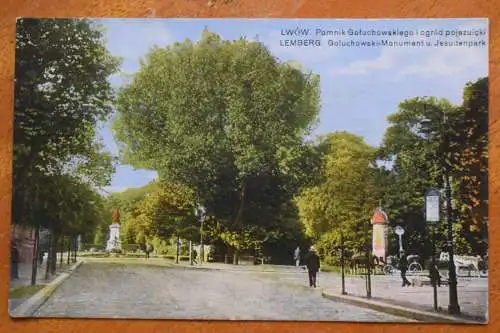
251	169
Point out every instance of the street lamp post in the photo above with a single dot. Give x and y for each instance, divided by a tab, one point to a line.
200	212
190	253
400	232
178	247
368	267
342	262
453	307
432	203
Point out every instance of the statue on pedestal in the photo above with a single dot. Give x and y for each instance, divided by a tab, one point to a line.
113	242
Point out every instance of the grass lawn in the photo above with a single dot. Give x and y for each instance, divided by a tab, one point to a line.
24	291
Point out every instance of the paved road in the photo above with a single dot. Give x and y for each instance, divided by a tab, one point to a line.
137	291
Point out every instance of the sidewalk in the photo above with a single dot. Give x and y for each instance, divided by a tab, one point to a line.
24	279
418	302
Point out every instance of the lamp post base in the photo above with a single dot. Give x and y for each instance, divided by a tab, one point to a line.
454	309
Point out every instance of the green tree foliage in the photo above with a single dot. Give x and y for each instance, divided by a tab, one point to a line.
219	117
471	168
155	213
345	195
429	139
61	93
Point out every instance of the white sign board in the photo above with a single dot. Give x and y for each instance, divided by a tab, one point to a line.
432	208
399	230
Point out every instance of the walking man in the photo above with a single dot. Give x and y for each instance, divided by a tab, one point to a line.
434	275
403	266
311	260
296	256
149	249
194	255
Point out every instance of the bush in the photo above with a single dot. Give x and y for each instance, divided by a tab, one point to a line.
131	247
330	268
133	255
94	254
172	257
87	247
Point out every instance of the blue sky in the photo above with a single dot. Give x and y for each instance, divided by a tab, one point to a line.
360	86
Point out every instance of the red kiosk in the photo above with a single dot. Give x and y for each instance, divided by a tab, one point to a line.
380	223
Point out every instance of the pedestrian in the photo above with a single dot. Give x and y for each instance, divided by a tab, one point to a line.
296	256
194	255
312	263
149	249
434	275
403	267
41	254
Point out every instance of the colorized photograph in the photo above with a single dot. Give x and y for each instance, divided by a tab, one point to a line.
250	169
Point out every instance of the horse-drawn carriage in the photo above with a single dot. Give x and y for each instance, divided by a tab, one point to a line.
358	264
393	265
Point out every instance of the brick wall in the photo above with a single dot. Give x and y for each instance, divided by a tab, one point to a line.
25	240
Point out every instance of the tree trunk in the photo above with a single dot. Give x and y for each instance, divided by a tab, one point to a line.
54	247
242	203
49	256
36	249
74	249
236	255
61	249
69	250
238	219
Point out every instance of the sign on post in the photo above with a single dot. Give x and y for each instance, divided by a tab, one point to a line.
399	231
432	202
432	205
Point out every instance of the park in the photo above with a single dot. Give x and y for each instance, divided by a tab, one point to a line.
244	189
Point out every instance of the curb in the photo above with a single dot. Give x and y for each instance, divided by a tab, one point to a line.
32	304
397	310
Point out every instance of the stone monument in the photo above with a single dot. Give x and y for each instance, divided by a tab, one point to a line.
380	241
114	233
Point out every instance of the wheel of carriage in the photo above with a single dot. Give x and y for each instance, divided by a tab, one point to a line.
388	270
415	268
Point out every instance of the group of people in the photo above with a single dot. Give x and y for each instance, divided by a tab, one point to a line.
311	261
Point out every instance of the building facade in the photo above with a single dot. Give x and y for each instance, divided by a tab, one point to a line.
24	239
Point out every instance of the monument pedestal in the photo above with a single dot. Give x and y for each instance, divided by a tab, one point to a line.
114	238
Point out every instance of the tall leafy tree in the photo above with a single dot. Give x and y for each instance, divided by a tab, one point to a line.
345	195
420	143
216	116
471	167
61	92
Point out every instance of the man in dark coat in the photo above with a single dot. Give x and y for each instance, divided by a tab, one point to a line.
149	249
312	263
403	267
